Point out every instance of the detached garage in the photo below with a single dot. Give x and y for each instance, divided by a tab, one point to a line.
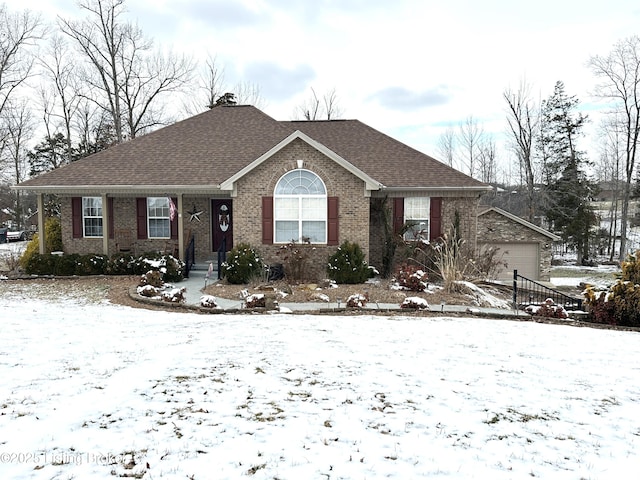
524	246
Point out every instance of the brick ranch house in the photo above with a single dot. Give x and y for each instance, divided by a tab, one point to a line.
236	175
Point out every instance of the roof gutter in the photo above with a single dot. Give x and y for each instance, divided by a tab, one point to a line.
118	189
480	188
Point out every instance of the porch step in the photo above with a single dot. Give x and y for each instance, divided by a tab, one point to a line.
204	266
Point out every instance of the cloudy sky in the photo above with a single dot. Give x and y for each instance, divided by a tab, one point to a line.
410	68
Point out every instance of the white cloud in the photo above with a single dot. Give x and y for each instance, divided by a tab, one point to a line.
386	59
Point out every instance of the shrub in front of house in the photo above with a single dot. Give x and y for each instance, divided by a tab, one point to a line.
92	264
347	265
170	267
620	305
548	310
52	235
357	300
52	241
152	277
243	264
38	264
66	265
296	258
410	277
121	264
414	303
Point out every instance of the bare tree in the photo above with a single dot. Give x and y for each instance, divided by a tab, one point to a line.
60	97
486	160
210	89
124	76
522	118
206	87
314	108
446	147
18	121
101	38
470	137
248	93
619	73
95	129
19	33
145	80
608	172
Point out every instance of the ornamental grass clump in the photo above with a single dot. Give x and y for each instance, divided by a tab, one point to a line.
243	264
347	265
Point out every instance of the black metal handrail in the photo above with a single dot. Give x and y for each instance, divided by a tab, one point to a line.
222	256
529	292
189	256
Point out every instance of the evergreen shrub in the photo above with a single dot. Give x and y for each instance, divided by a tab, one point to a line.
243	264
52	241
171	268
347	265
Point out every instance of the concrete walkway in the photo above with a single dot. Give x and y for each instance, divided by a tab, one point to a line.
196	282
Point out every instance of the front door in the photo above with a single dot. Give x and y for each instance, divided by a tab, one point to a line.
222	224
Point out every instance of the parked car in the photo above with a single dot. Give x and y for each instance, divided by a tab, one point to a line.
18	235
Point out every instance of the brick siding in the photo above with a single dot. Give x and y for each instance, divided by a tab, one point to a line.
495	228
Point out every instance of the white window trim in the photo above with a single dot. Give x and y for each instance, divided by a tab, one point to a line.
300	219
150	217
427	234
84	216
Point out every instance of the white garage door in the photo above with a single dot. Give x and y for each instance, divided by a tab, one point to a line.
523	257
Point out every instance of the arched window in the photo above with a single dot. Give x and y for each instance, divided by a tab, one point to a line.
300	208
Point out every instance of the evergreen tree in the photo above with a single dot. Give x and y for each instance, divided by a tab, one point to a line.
104	137
49	154
568	190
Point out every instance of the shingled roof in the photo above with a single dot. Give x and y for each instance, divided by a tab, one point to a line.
203	151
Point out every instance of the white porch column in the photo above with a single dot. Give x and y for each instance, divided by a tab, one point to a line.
41	233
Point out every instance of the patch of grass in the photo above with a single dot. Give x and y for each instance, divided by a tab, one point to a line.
253	470
300	394
512	415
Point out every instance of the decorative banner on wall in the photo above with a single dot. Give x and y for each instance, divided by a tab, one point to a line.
172	209
223	218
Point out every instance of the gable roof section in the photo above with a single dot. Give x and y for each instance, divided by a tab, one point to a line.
213	149
384	158
521	221
370	183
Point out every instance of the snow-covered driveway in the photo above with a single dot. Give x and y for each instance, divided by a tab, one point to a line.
90	390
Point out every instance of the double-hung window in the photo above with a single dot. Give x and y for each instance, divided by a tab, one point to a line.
300	208
159	223
416	215
92	216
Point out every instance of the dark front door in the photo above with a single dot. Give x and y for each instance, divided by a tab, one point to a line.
222	224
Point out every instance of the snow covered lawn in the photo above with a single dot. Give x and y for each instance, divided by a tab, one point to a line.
92	390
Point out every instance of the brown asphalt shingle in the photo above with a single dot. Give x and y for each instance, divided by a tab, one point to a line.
211	147
383	158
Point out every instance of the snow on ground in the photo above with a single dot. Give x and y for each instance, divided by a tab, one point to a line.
10	253
92	390
601	276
